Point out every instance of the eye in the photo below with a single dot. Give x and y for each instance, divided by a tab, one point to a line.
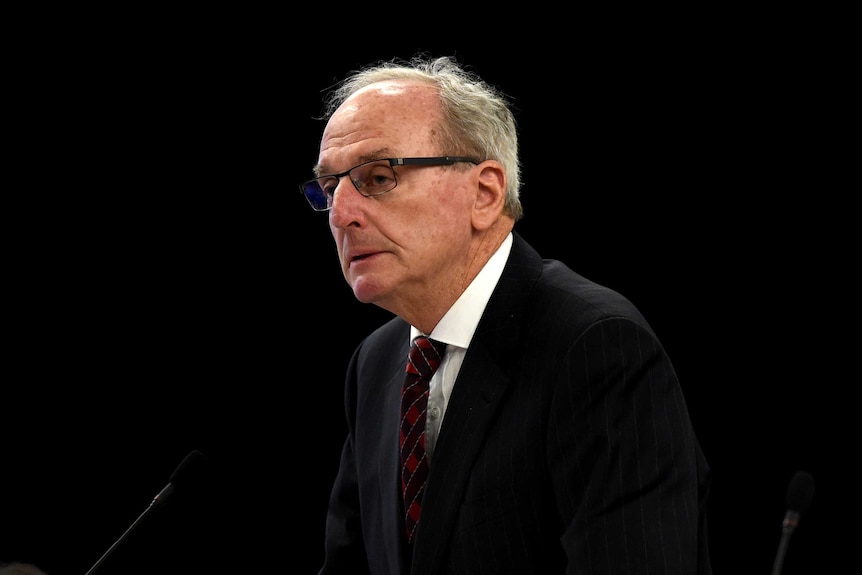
378	179
328	185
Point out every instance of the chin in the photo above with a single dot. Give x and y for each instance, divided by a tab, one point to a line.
366	291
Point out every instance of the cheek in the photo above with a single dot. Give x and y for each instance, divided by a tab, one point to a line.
445	224
451	195
439	215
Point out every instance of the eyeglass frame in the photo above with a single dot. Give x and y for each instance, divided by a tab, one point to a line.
416	161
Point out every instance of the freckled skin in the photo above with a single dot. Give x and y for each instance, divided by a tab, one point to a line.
415	249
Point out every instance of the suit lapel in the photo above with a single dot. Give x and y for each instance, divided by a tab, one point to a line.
468	418
390	467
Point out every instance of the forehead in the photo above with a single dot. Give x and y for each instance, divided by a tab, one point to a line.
394	118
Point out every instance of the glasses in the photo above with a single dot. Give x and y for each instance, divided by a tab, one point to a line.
369	178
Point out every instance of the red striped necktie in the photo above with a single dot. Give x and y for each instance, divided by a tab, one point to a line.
424	359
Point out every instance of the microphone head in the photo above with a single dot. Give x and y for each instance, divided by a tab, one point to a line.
800	492
190	469
188	472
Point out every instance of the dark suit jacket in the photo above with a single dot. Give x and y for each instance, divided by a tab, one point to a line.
566	446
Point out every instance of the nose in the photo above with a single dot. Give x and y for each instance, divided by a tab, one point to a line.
346	204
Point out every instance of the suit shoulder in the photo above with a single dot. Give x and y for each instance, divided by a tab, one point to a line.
562	288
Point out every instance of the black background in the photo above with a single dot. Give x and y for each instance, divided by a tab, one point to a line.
168	289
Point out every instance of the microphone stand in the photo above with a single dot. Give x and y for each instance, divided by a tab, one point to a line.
163	494
791	520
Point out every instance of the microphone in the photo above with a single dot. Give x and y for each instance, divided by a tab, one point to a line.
188	471
800	492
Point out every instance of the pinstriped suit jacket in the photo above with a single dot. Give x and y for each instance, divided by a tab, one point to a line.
566	446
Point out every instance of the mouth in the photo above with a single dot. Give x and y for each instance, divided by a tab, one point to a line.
360	258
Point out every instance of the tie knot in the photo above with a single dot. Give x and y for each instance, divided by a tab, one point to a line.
425	355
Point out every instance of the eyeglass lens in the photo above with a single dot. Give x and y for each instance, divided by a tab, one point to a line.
371	179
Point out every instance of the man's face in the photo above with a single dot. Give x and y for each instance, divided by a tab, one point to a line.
409	244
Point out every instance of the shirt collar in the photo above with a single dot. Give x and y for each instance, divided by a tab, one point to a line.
459	324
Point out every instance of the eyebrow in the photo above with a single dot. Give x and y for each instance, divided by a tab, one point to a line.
378	154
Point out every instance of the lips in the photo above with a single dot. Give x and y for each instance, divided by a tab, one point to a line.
354	253
361	257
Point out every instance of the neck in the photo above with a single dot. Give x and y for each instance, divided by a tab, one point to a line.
426	312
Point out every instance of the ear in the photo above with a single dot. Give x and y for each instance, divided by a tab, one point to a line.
490	194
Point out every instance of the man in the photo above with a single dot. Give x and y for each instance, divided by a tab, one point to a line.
556	435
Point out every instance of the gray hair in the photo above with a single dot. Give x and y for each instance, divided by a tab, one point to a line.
477	121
